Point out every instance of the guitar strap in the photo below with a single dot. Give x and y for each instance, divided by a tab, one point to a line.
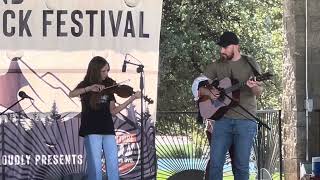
254	70
231	77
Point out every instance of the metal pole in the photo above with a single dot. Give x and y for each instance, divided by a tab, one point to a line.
307	93
2	149
280	143
259	150
142	122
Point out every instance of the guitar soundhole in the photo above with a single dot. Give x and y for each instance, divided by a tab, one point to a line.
217	103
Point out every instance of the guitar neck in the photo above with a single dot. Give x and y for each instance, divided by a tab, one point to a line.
235	87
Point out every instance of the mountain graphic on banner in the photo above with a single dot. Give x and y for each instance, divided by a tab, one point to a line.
11	83
58	84
47	88
44	89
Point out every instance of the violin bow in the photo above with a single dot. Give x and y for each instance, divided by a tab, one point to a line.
117	84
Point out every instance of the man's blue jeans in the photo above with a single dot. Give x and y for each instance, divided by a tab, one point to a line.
239	133
94	143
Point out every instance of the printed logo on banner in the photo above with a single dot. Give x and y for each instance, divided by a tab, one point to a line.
128	151
13	1
132	3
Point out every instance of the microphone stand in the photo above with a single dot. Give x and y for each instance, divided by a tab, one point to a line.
141	71
11	106
256	120
2	136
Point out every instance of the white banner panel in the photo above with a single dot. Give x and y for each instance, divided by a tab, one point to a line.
45	49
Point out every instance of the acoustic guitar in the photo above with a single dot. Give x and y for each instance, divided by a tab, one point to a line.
215	109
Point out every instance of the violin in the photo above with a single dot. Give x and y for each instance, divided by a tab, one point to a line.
123	91
126	91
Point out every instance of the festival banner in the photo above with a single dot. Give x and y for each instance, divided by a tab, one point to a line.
45	49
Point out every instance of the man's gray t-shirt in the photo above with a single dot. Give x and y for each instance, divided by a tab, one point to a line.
241	71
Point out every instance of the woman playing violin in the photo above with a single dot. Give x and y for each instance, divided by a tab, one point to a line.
97	126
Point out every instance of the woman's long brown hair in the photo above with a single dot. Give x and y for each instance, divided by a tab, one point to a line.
93	76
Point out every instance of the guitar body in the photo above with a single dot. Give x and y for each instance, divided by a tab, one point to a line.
215	109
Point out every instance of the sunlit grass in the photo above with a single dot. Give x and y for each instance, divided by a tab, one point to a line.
161	175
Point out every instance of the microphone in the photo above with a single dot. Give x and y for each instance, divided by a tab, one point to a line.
23	95
124	66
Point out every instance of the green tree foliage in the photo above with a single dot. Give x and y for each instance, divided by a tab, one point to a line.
189	31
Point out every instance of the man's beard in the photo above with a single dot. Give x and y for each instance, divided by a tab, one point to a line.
225	57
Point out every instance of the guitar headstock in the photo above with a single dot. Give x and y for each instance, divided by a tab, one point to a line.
264	76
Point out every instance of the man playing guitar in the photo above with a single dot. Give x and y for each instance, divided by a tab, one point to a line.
233	127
